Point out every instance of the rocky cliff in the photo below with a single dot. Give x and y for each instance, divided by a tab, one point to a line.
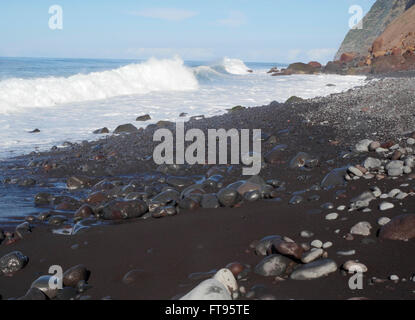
382	13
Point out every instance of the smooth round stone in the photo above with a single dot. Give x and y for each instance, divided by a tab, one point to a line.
314	270
353	266
407	170
312	255
227	197
410	141
361	229
399	228
355	171
346	253
262	247
306	234
273	265
372	163
222	286
332	216
383	221
209	201
327	245
42	283
252	196
386	206
363	145
317	244
394	277
341	208
12	262
401	196
72	276
393	193
376	192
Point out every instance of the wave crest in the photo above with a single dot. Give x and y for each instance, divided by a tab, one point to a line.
152	75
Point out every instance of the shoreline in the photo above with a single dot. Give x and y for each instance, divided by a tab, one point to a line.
186	233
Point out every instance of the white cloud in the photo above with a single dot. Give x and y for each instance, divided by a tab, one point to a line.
234	19
169	14
321	54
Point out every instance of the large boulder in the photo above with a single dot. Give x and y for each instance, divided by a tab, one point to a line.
399	228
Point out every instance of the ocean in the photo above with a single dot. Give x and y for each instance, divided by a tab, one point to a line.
67	99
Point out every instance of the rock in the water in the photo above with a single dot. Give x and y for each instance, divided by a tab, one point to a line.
209	201
399	228
126	128
145	117
101	131
117	210
273	265
314	270
72	276
227	197
12	262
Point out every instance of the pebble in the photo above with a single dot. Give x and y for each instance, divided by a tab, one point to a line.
332	216
314	270
327	245
317	243
341	208
386	206
383	221
312	255
72	276
399	228
362	229
372	163
394	277
306	234
363	145
355	171
353	266
273	265
346	253
12	262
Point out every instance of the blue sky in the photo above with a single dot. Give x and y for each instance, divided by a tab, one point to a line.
262	30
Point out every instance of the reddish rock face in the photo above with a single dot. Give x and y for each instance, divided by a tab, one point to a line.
315	64
400	228
348	57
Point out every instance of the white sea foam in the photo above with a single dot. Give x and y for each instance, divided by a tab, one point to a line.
152	75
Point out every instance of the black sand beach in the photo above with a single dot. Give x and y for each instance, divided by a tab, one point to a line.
192	229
